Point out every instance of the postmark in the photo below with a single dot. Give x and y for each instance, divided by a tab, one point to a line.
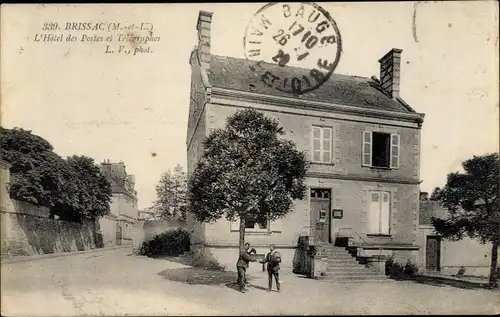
301	35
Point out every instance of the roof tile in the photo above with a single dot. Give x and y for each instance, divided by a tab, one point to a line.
236	74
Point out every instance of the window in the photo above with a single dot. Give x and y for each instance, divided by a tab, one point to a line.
379	213
259	223
380	149
320	193
322	145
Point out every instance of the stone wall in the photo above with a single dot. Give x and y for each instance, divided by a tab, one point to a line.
107	226
27	230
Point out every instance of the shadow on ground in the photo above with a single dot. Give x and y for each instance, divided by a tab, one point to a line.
176	259
443	282
201	276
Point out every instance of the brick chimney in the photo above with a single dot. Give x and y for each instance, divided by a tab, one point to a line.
203	26
390	67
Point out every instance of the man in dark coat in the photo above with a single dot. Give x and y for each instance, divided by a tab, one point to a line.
242	265
273	260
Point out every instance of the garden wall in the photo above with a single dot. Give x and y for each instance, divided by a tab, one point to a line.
28	230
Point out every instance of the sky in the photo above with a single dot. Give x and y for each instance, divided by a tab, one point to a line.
134	109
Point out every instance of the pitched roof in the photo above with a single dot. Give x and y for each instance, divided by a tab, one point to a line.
235	73
429	209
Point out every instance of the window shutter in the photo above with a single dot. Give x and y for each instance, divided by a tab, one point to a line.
326	146
394	151
235	225
367	148
316	146
373	213
385	213
277	225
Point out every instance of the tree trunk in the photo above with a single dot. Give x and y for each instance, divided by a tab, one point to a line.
242	234
494	265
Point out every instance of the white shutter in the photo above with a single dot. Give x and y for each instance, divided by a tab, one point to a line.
394	151
235	225
277	225
316	146
326	145
367	148
373	222
385	213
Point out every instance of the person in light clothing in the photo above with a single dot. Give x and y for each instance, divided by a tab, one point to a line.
273	260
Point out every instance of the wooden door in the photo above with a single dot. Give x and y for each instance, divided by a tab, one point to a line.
321	213
433	253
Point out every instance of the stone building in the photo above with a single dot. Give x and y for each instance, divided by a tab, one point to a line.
117	226
361	137
444	256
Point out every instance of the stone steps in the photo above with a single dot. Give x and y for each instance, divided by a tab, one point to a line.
348	269
349	280
342	267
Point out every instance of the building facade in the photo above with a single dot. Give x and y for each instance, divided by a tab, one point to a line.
439	255
363	142
117	226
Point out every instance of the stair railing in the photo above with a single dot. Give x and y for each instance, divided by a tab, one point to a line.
350	237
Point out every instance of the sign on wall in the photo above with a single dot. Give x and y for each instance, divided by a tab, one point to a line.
337	213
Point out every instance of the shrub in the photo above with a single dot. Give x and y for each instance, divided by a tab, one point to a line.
410	269
398	270
388	265
170	243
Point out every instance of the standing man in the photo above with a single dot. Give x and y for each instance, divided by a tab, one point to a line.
273	260
250	252
242	265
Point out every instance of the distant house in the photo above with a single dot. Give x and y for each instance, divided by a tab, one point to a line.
440	255
117	226
362	139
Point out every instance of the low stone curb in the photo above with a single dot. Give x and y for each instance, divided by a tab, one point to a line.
56	255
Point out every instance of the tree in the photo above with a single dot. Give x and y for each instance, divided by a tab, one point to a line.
36	170
73	189
91	196
435	194
472	200
171	193
424	196
247	168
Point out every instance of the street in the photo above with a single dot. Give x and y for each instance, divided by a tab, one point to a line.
114	282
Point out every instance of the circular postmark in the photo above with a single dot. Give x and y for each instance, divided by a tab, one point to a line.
301	35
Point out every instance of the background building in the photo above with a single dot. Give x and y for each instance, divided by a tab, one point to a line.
117	226
446	256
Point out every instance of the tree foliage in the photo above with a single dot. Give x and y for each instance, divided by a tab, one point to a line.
91	191
247	168
435	194
171	193
72	188
472	201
